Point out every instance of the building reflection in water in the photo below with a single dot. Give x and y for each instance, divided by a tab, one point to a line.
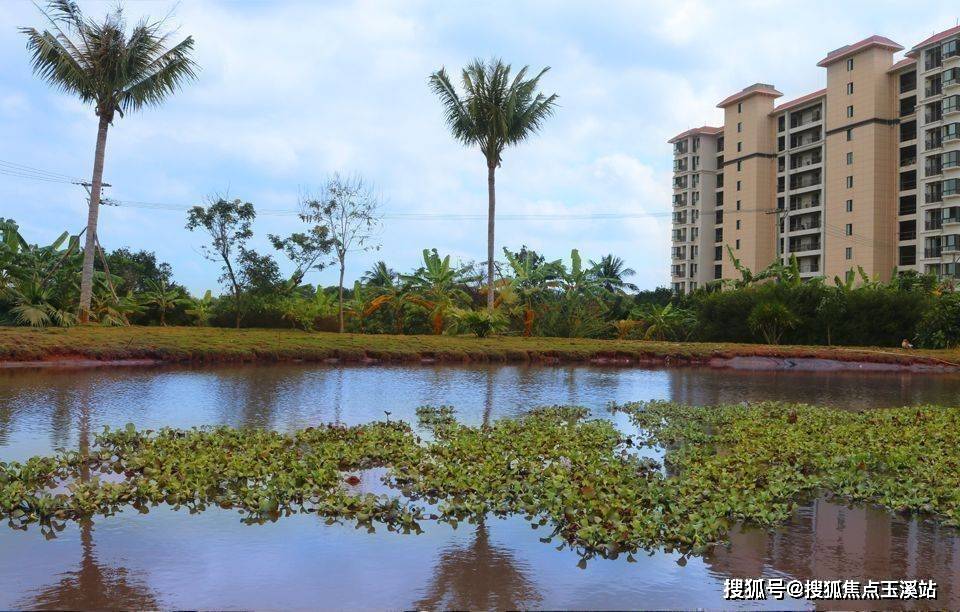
830	541
478	576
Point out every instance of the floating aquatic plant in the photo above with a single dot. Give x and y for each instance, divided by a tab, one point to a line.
573	476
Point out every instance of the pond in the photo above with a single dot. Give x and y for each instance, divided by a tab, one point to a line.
171	559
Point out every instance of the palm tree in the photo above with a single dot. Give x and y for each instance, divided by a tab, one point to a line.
494	111
99	63
610	271
380	275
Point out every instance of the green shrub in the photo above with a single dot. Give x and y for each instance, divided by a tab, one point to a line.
482	323
770	320
940	325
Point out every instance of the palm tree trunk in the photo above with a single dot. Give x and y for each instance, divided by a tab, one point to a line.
491	211
340	309
90	245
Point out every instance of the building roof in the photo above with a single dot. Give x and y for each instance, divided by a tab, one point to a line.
810	97
706	130
907	61
933	39
762	89
866	43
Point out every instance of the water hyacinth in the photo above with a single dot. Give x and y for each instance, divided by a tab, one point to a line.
572	475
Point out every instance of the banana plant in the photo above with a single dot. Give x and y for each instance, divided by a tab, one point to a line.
530	283
436	287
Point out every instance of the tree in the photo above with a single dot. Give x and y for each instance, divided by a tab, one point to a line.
228	224
494	112
611	271
771	320
349	211
306	250
380	275
116	73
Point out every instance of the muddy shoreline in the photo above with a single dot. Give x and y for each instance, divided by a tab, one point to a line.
757	363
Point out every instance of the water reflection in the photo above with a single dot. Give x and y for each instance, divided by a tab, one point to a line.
479	576
827	540
93	586
39	410
210	560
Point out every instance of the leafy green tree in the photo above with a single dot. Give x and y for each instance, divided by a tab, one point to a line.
99	63
940	326
493	112
228	223
137	269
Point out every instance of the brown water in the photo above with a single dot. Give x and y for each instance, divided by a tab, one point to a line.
171	559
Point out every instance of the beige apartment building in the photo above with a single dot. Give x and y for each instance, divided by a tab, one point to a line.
865	172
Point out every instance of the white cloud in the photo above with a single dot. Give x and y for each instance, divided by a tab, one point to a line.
290	92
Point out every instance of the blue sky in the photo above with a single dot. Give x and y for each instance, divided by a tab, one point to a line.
290	92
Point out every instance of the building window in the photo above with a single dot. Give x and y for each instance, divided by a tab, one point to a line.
849	205
849	88
738	204
849	134
850	111
850	158
849	64
738	223
739	107
849	253
848	229
739	126
849	182
738	185
738	167
739	147
738	244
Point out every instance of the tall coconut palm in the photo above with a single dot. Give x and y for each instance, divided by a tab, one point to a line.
493	112
116	73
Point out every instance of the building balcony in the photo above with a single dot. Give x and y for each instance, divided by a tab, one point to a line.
804	245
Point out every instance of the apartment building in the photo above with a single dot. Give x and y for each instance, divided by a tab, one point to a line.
864	172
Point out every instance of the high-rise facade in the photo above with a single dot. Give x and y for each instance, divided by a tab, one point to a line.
865	172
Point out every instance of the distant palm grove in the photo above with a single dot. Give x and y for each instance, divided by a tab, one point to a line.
515	291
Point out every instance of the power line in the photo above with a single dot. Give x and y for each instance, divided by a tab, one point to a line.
10	168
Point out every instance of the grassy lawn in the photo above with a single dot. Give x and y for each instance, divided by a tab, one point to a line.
206	344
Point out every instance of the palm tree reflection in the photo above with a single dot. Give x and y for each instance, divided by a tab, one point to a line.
478	576
93	586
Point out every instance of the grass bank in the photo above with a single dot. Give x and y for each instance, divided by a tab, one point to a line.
210	345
